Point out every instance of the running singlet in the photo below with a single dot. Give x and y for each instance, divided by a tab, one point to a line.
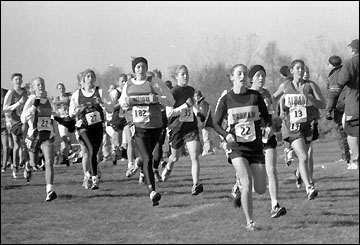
15	97
93	114
144	114
268	102
43	124
296	104
243	113
62	105
187	119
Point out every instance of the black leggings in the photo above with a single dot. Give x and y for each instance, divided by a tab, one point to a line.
158	151
92	138
146	139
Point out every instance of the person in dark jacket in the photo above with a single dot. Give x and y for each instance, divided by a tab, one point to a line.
349	77
204	113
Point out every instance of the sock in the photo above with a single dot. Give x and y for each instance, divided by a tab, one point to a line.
274	203
49	187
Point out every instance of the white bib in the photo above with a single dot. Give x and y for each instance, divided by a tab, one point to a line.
245	131
186	115
294	127
93	117
265	132
298	114
44	123
140	114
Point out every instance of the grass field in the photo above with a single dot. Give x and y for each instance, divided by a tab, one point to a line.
121	211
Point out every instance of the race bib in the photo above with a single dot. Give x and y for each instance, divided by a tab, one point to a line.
297	114
44	123
140	114
245	131
186	115
265	132
93	117
294	127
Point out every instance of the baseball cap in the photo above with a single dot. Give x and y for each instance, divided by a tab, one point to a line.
354	44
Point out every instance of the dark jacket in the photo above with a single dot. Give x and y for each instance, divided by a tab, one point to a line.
349	77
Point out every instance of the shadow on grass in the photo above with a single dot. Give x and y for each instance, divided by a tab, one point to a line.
344	223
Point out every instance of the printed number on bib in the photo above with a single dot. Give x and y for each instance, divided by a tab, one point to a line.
44	123
297	114
93	117
265	132
140	114
294	127
186	115
245	132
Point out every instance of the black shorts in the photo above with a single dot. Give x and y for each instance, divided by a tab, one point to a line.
251	156
177	138
271	144
16	128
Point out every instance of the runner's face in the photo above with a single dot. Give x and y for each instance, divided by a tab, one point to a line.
39	86
298	70
17	81
61	89
259	79
89	79
140	70
182	77
239	76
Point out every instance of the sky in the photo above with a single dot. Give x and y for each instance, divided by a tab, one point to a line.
58	39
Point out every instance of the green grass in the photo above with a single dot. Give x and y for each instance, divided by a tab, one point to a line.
121	211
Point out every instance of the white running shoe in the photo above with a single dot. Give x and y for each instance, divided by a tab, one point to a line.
51	195
165	174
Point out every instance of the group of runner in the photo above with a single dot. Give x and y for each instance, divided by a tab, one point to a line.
143	110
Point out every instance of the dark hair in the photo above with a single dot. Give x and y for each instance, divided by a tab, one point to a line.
294	62
168	84
138	60
57	85
284	70
16	75
335	60
255	68
123	75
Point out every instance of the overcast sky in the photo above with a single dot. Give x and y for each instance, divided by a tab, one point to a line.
56	40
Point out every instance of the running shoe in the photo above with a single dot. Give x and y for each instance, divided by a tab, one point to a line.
141	178
131	170
311	192
288	156
353	165
251	226
157	176
163	164
95	182
87	183
197	189
165	174
277	211
14	173
51	195
3	170
138	162
155	198
298	180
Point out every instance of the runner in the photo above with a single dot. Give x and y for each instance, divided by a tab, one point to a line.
38	114
144	96
243	109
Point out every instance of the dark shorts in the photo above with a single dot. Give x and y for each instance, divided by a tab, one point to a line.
251	156
177	138
271	144
16	128
34	144
305	131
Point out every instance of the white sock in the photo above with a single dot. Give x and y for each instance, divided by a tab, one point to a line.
49	187
274	203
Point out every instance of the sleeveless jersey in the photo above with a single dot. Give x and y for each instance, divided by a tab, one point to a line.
187	119
269	105
43	124
313	112
15	114
93	114
143	113
62	105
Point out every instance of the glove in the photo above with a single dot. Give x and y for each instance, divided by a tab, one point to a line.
36	102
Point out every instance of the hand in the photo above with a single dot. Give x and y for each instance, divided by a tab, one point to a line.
230	138
36	102
190	102
98	100
153	98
